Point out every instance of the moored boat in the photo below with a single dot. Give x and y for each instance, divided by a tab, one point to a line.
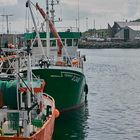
26	112
60	64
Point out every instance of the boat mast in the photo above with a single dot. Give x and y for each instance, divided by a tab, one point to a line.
52	29
29	83
47	28
29	76
52	11
78	17
18	81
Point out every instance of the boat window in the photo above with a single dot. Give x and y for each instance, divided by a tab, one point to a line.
53	43
69	42
63	41
43	43
35	43
28	43
75	42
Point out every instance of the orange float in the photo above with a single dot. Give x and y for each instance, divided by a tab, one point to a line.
74	62
56	113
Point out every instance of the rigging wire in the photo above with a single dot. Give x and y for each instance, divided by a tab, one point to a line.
28	22
35	13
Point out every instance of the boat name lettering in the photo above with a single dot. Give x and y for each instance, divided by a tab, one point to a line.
75	79
68	75
57	76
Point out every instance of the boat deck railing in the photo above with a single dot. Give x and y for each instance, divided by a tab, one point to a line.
43	62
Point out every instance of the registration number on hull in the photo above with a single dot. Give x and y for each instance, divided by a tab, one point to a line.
74	77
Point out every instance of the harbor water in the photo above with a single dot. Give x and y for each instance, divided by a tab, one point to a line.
113	108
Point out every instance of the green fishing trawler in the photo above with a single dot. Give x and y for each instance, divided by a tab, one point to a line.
64	78
56	59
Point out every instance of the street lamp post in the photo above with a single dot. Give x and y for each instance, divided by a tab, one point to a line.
86	23
7	21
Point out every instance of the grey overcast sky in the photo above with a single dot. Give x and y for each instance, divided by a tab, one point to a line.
100	12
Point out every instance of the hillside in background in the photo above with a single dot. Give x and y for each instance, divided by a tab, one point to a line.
137	20
103	33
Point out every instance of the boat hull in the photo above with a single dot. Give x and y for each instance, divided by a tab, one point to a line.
64	85
45	133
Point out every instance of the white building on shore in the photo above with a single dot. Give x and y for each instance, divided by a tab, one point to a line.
126	31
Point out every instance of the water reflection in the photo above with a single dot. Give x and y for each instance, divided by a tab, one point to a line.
72	125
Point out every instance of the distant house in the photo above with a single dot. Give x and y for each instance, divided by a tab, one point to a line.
127	31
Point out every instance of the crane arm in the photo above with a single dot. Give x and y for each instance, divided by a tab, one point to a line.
52	29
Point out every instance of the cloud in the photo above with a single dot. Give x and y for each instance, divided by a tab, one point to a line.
103	11
8	2
132	7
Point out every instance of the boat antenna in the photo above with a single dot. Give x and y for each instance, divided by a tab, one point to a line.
47	28
47	6
78	17
52	11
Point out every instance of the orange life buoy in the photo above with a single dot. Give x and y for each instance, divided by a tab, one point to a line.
74	62
56	113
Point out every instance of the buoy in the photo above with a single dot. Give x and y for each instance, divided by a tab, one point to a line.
74	62
56	113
